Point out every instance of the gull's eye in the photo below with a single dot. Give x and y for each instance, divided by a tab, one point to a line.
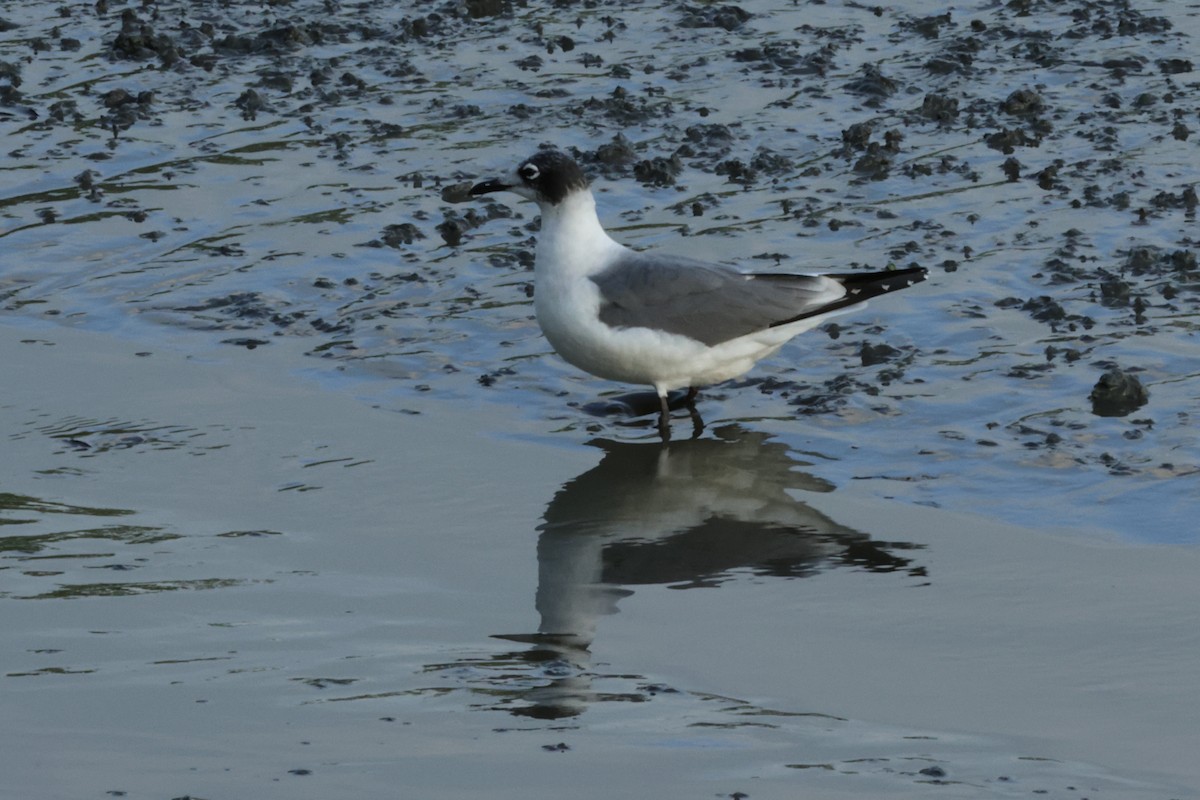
529	172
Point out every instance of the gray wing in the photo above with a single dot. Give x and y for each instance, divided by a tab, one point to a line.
707	302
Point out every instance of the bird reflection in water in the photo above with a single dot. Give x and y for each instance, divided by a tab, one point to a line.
690	514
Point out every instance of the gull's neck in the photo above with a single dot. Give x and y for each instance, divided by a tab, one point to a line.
572	241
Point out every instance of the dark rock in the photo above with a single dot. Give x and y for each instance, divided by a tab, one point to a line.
1006	140
873	84
86	180
728	17
11	73
117	97
1023	103
452	230
957	57
1115	292
658	171
784	57
627	110
737	171
481	9
929	27
1048	178
1117	394
251	102
246	342
1012	169
939	108
616	153
872	354
138	41
1183	260
1141	260
1044	309
1132	22
770	162
1175	66
874	165
403	234
857	136
713	138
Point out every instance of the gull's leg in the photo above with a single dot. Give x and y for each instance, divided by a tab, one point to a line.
697	421
664	416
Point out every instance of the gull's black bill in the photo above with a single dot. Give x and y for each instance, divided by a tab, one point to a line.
486	187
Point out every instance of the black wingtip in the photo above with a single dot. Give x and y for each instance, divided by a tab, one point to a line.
862	286
865	285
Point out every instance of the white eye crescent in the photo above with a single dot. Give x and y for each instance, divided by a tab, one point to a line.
529	172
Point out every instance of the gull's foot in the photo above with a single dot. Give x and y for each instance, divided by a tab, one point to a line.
635	404
641	404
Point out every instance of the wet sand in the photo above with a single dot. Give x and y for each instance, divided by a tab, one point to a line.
221	577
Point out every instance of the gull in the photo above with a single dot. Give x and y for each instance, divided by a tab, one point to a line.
668	321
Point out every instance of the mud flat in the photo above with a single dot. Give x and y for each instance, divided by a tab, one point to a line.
252	175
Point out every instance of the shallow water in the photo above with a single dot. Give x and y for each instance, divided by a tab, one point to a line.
262	585
345	460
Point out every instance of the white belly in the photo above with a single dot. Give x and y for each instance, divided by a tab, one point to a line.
568	313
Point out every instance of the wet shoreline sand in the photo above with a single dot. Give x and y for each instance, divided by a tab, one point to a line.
283	570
